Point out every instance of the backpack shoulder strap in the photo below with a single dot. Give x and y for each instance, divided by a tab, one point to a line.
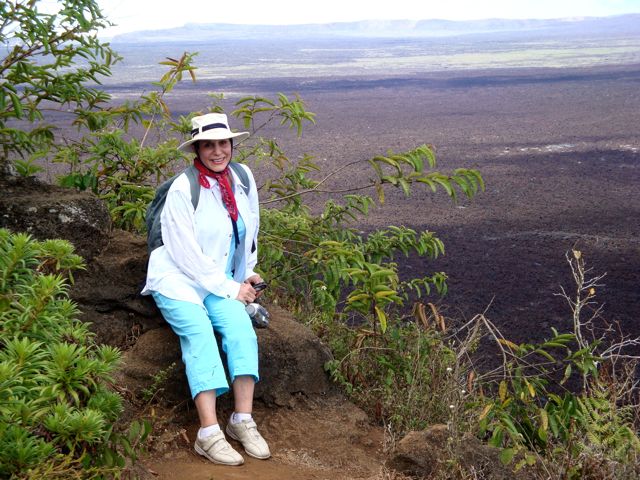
242	174
192	175
154	210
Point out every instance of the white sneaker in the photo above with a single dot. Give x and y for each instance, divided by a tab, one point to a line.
216	448
246	432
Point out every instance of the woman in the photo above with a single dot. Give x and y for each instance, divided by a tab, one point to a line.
202	277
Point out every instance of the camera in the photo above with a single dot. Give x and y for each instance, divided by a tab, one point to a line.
259	286
259	315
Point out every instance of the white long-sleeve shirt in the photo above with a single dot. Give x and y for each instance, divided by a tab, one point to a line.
191	264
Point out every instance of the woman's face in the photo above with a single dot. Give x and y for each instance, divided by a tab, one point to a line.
215	154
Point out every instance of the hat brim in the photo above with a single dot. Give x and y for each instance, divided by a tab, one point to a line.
214	134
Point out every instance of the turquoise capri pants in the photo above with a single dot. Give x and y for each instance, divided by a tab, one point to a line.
195	324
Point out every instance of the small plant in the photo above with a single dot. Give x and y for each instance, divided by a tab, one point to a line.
159	381
27	168
393	375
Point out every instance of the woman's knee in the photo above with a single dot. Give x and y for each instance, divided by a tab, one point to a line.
242	335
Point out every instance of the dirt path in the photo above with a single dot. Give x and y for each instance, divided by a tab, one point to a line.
325	440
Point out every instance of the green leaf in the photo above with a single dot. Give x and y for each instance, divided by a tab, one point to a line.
544	419
497	437
134	432
405	186
506	455
427	181
542	434
384	294
376	167
511	427
502	391
444	183
545	354
386	160
382	318
17	106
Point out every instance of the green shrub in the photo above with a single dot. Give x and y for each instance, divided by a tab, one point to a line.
57	412
579	432
49	60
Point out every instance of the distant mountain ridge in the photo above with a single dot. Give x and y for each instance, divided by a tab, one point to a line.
615	25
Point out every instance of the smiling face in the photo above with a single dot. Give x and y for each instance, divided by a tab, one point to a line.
214	154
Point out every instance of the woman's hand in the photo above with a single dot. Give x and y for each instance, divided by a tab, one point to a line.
246	294
255	278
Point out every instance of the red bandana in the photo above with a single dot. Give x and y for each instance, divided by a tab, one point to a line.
225	187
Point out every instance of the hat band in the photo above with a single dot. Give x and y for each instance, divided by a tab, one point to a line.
196	131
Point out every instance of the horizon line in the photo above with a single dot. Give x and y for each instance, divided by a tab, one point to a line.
373	20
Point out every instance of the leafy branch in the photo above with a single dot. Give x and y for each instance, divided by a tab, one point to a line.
50	57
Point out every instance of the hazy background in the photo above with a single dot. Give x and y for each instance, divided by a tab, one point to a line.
161	14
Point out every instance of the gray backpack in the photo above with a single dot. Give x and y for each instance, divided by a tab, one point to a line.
152	217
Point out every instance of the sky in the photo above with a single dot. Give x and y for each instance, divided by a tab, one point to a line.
132	15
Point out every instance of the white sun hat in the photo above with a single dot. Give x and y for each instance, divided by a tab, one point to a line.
212	126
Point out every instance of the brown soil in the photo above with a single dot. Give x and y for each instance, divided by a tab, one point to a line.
560	153
312	440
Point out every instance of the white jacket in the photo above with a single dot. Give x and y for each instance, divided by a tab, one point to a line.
191	264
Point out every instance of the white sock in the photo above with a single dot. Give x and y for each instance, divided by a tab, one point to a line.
205	432
239	417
